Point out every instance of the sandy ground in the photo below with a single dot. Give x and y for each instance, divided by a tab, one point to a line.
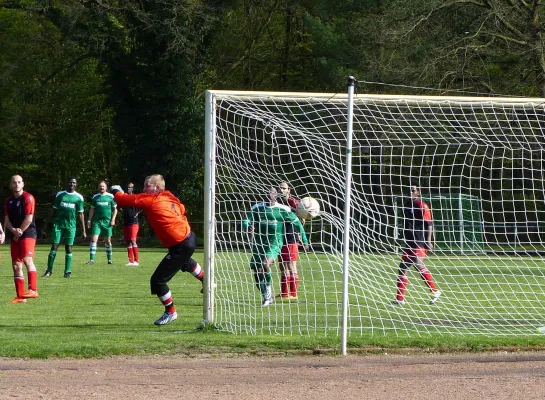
439	377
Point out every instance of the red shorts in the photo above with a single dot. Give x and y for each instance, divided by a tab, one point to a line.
289	252
130	232
411	254
22	248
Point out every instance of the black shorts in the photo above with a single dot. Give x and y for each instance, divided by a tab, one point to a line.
178	258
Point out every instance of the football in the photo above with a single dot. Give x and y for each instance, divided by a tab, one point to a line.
308	208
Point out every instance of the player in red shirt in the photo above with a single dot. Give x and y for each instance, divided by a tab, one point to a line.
418	236
166	215
289	255
19	221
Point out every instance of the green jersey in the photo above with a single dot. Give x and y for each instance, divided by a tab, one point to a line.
104	206
67	206
268	222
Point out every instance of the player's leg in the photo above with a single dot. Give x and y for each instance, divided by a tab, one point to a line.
135	254
283	262
407	259
69	237
177	257
56	236
292	265
159	287
95	231
134	234
28	246
266	278
18	277
107	233
426	274
194	268
127	238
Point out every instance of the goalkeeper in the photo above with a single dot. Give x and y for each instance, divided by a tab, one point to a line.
418	236
266	221
166	215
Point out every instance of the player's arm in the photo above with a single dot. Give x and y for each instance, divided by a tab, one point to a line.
428	224
26	223
91	215
9	227
248	222
114	214
291	217
29	215
82	221
2	235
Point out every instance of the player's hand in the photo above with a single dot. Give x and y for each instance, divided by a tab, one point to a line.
306	247
84	235
116	188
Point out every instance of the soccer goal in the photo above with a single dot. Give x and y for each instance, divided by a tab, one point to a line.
478	161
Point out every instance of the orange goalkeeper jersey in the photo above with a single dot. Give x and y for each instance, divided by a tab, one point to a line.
164	211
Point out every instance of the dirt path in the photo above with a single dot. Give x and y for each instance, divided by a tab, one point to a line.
439	377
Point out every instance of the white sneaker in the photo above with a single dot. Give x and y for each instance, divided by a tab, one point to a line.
129	264
267	302
135	264
397	302
435	296
166	318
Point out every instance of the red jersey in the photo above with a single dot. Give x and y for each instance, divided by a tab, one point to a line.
164	211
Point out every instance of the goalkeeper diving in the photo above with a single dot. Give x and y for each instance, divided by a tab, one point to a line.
266	222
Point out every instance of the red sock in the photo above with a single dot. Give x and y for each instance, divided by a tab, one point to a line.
294	283
402	282
33	280
135	252
198	272
168	302
426	275
19	285
284	286
130	253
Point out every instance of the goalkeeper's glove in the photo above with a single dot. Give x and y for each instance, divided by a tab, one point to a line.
116	188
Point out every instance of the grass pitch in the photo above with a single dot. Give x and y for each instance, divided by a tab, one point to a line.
106	310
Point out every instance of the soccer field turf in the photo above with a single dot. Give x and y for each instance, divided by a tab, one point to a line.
108	309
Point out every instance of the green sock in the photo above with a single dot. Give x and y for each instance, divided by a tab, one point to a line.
68	263
108	252
51	259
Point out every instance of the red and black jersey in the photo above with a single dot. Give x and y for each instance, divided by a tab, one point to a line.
17	208
290	236
130	216
416	220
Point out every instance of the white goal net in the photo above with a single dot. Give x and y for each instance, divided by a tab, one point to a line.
479	163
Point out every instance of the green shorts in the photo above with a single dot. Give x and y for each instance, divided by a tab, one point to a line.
101	228
259	253
57	234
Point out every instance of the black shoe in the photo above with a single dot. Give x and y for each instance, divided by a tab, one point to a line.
110	262
68	274
47	274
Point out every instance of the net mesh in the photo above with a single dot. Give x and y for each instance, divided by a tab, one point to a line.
479	163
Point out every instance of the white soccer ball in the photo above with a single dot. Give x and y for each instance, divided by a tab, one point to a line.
308	208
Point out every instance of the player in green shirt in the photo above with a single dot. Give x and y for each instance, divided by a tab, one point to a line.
67	206
101	220
266	221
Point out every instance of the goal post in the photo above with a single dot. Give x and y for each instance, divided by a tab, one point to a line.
478	161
